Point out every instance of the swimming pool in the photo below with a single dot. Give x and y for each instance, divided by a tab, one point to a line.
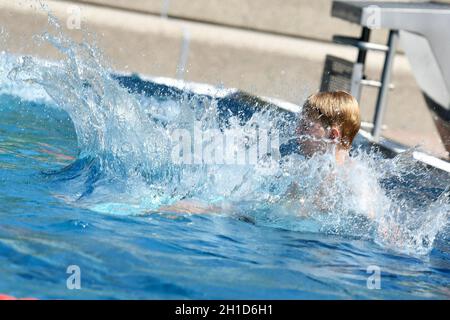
85	164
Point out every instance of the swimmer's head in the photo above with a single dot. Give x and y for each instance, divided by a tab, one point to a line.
328	118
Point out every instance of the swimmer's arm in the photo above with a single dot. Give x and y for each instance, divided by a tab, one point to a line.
189	206
196	207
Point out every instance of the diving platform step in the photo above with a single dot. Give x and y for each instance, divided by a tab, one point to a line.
375	83
358	43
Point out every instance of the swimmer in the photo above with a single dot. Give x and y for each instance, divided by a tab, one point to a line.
329	121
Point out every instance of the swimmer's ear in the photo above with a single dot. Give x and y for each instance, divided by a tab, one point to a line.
335	133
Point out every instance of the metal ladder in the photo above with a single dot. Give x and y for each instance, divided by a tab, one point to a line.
352	76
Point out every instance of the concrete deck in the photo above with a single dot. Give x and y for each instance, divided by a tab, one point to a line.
258	48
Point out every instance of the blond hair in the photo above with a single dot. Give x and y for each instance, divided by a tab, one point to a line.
336	108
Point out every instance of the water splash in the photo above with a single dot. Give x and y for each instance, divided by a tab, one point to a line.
125	162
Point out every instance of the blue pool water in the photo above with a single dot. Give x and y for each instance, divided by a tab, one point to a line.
84	167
